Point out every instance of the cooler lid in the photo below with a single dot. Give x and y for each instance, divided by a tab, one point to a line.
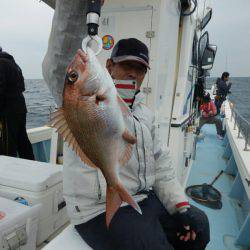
9	208
28	175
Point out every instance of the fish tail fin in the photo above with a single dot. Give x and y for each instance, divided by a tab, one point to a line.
114	198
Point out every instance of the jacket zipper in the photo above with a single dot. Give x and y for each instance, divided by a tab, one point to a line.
140	184
99	193
145	160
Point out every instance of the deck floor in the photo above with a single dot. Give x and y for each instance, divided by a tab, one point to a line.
209	162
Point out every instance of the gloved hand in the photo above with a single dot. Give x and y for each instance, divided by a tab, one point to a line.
187	226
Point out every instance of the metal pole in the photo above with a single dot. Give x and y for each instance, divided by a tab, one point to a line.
240	121
204	7
246	139
239	127
235	117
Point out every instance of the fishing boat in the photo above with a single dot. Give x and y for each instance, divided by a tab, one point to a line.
181	56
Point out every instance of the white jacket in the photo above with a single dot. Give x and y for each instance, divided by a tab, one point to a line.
149	168
150	165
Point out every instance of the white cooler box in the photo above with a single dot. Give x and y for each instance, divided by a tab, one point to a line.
37	183
18	225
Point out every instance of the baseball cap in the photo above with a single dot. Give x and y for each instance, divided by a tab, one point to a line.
130	49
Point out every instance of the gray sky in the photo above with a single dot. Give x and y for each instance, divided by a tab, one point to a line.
230	30
24	31
25	27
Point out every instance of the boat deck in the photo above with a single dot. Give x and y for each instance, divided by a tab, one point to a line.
224	223
207	165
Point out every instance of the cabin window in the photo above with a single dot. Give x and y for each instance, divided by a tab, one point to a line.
195	51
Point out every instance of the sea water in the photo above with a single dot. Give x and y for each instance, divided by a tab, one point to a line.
40	103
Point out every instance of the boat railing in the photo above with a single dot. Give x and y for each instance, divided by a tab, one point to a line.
241	124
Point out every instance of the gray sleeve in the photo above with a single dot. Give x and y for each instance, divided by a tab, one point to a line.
167	186
68	30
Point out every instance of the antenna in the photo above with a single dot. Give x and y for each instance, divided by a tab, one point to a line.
226	63
204	7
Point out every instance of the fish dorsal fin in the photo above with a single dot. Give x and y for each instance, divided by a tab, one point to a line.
124	108
59	122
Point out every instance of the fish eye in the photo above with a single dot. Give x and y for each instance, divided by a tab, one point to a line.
72	77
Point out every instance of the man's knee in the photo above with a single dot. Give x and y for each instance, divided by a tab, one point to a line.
138	232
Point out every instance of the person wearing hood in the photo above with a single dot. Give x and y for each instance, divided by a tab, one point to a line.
223	89
14	139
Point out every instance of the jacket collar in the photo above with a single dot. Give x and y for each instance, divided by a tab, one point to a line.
139	98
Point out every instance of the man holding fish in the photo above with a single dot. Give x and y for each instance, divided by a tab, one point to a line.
112	154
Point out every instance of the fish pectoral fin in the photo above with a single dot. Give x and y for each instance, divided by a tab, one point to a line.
58	121
114	198
123	106
128	137
101	96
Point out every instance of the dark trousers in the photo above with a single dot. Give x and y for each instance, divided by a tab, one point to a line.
14	137
212	120
154	229
218	103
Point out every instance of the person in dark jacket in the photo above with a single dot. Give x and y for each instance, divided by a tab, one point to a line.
223	89
13	136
